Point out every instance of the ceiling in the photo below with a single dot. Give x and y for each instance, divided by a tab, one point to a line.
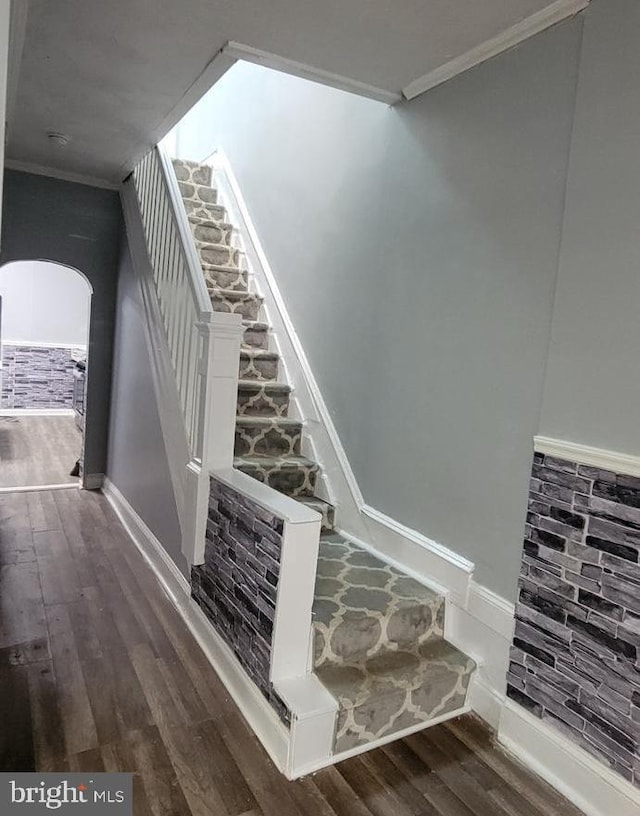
115	75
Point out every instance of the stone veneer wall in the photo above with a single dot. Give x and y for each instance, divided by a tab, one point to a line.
575	657
236	587
37	376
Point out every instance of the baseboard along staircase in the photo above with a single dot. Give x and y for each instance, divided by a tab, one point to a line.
379	645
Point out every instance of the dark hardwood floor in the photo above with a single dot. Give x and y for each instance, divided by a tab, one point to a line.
98	672
38	450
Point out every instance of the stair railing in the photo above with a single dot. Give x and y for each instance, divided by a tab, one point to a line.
204	346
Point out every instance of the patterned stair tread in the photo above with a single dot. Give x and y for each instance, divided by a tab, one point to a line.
198	193
259	422
203	209
192	171
267	436
292	475
236	296
211	221
396	690
363	606
263	398
326	510
259	364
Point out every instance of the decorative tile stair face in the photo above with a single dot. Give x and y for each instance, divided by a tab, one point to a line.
379	646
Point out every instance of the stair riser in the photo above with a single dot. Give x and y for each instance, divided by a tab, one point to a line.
193	173
275	441
248	308
235	279
217	254
262	403
212	234
291	481
197	193
357	641
198	209
252	369
256	338
444	693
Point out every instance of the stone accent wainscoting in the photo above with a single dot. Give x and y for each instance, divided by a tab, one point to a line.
236	587
575	657
37	376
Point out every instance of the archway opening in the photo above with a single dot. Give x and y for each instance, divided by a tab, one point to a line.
44	342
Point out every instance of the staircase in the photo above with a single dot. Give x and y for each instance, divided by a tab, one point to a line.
379	644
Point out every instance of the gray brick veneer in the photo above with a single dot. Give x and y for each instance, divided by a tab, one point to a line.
37	377
236	587
575	658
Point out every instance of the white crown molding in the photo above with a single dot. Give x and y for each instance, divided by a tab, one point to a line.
529	27
587	455
62	175
238	51
589	784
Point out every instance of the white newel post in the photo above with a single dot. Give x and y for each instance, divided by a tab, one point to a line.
221	336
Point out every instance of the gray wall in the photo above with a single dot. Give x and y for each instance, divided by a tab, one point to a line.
77	225
137	463
417	250
592	392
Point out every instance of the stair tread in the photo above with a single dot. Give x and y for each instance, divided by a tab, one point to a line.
216	246
256	386
263	354
266	421
282	462
390	670
199	221
234	294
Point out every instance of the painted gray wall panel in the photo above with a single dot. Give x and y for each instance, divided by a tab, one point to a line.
417	250
77	225
137	463
592	387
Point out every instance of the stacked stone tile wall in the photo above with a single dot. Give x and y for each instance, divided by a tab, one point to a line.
37	376
236	587
575	658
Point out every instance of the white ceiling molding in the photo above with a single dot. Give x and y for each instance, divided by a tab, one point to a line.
62	175
238	51
545	18
17	34
211	73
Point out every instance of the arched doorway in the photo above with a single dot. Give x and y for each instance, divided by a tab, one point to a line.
44	340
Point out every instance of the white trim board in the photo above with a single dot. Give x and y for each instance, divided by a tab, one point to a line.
534	24
18	412
589	784
587	455
62	175
261	717
33	344
238	51
40	488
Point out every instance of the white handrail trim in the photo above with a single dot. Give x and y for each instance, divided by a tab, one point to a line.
195	277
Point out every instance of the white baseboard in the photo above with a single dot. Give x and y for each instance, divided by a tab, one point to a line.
589	784
261	717
18	412
39	488
93	481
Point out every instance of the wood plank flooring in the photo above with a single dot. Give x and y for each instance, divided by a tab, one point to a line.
98	672
38	450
